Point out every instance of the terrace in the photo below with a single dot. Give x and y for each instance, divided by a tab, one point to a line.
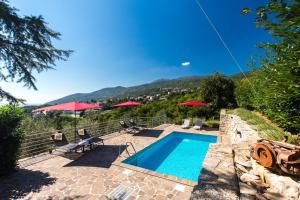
95	174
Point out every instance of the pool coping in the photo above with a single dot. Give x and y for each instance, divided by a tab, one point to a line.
182	181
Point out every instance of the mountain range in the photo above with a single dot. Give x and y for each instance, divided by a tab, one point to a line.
139	90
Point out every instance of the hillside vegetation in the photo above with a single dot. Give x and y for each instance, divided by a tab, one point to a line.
139	90
264	127
274	88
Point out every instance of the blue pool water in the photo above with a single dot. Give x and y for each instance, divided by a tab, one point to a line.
177	154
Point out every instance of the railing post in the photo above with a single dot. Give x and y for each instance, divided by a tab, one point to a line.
106	128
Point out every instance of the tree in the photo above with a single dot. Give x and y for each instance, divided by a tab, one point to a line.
218	90
278	78
25	47
244	93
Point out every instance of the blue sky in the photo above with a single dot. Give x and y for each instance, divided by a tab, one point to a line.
131	42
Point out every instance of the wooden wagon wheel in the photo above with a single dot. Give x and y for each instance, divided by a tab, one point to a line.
263	153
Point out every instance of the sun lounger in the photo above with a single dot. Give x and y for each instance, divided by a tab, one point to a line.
61	143
135	126
132	122
198	125
186	124
87	139
129	129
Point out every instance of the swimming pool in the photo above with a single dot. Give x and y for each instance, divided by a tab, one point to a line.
178	154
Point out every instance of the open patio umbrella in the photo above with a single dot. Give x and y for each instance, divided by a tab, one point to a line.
72	106
127	104
193	103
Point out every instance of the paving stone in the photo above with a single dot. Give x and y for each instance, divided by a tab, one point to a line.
93	175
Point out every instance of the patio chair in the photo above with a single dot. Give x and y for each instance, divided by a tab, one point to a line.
132	122
61	143
198	125
128	129
186	124
88	140
134	125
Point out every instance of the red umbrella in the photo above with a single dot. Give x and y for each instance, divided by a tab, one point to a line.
128	104
193	103
72	106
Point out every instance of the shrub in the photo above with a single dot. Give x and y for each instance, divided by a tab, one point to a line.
10	137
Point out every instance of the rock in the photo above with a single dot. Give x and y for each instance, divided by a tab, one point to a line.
211	163
292	192
254	172
207	176
257	168
247	189
243	163
247	197
241	168
246	177
270	194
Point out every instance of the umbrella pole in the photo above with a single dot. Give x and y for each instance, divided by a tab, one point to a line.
75	128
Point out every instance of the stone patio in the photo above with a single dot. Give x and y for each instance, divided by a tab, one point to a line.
94	174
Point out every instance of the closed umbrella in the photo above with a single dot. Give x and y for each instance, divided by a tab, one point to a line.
72	106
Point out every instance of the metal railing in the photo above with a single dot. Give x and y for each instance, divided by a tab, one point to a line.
37	143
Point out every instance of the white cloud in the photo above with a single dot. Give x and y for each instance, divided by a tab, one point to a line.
185	64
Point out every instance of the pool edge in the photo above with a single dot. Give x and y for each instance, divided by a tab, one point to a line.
182	181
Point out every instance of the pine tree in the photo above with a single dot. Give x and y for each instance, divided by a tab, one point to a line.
25	47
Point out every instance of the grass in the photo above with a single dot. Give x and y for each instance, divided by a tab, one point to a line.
264	127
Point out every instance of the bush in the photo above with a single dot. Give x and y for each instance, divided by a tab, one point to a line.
10	137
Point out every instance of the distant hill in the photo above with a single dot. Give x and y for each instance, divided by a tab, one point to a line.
139	90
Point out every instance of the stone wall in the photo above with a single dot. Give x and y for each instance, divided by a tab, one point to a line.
239	130
255	181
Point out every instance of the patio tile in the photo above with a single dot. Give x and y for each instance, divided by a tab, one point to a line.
94	175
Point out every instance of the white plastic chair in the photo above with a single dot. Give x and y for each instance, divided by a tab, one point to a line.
186	124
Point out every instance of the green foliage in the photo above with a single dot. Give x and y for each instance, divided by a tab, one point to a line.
244	93
139	90
10	137
25	47
276	84
211	123
42	123
218	91
263	127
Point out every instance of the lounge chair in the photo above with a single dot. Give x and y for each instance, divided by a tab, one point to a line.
198	125
186	124
61	143
132	122
129	129
134	125
88	140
